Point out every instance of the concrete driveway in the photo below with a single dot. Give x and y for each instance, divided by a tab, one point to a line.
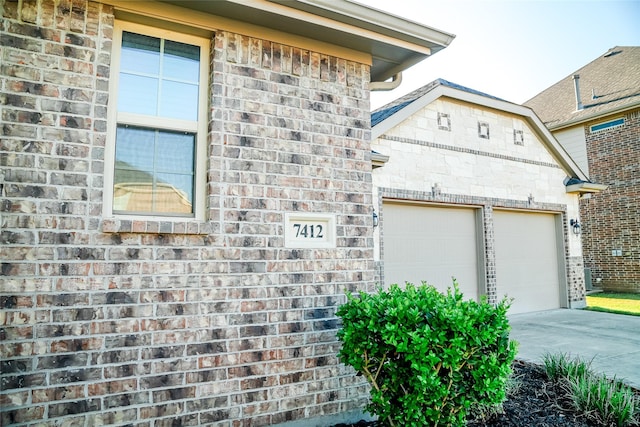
611	341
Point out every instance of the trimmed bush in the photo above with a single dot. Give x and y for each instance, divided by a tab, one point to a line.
429	357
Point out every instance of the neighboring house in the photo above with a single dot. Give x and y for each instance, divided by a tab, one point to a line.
186	196
473	187
595	115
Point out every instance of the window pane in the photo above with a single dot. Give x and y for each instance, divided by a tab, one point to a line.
147	89
181	61
140	54
138	94
154	171
179	188
179	101
175	152
134	149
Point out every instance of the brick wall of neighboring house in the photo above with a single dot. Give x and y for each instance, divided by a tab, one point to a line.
106	321
611	218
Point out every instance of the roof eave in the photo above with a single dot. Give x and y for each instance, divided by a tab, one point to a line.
586	187
363	16
393	43
593	116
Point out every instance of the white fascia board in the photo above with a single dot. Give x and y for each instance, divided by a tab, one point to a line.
402	27
358	20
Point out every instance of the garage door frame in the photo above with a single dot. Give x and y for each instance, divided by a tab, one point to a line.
559	235
480	238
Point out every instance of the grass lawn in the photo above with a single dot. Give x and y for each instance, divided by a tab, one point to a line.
615	303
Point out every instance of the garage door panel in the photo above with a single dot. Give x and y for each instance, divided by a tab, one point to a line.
527	267
432	244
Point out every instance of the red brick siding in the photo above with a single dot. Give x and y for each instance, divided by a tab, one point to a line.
611	219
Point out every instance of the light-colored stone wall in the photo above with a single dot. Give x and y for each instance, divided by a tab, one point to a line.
146	322
457	166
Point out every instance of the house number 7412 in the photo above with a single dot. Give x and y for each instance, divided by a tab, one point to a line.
309	230
313	231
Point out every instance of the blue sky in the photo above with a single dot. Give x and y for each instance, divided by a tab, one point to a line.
513	49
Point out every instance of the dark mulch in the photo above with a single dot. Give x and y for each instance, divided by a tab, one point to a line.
535	402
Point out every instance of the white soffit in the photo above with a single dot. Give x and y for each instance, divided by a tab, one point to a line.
394	43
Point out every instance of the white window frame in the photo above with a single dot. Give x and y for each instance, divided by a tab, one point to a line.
199	127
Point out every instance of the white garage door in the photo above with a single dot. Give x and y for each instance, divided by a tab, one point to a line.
432	244
527	263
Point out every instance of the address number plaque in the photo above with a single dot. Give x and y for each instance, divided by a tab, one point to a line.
309	230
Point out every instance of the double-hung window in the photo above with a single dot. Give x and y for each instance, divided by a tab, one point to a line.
157	123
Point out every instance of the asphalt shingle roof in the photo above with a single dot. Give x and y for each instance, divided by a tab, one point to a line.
609	83
393	107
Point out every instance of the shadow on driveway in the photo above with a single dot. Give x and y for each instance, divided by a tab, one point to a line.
610	341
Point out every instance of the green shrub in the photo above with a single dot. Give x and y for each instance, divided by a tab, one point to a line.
484	412
429	357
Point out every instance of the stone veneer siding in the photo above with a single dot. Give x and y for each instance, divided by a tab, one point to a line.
611	218
573	264
108	321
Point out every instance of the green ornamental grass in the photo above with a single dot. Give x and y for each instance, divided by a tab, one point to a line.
559	366
607	402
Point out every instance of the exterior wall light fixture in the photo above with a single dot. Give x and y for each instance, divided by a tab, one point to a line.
575	226
375	219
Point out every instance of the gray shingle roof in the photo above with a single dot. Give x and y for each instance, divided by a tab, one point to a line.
393	107
609	83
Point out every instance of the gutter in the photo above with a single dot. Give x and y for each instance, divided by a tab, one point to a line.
378	160
382	22
594	115
396	80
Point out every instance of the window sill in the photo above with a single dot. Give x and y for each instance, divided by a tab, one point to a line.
149	226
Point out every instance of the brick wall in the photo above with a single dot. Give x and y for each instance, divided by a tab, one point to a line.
108	321
611	218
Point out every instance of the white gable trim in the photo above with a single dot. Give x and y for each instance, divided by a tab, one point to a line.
554	147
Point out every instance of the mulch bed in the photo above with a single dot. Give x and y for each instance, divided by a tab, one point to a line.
536	402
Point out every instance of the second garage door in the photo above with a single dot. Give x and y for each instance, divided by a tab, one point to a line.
431	243
527	260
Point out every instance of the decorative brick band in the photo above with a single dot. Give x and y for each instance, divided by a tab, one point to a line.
463	199
467	151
